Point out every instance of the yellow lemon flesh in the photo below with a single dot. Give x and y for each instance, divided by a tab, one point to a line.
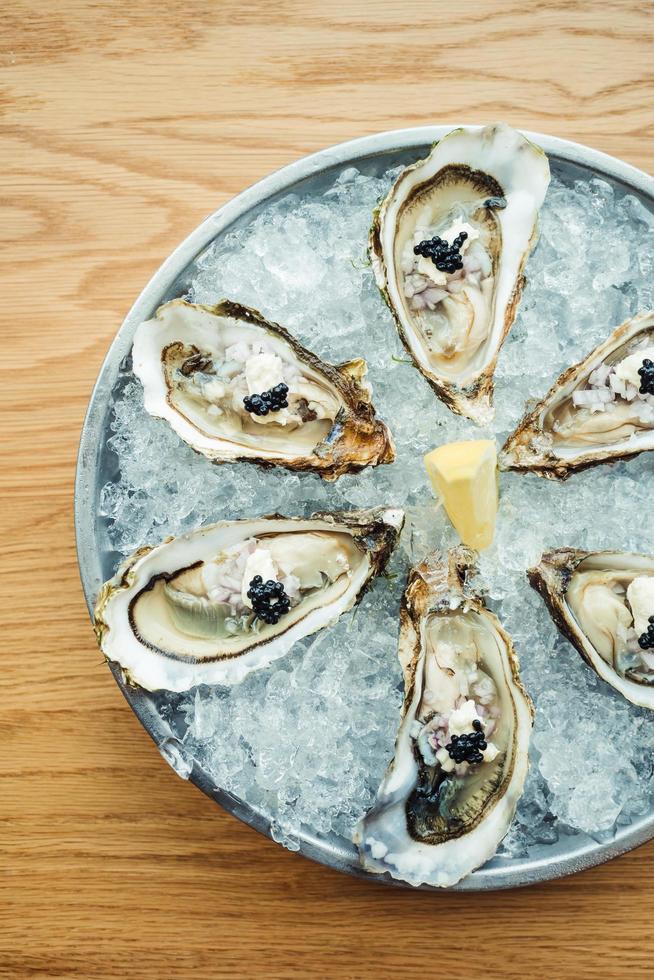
464	475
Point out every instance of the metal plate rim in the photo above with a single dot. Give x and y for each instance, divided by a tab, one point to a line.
586	855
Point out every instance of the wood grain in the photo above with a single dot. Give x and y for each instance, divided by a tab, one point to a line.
123	125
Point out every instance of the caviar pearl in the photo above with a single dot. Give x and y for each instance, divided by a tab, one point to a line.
646	373
269	600
469	746
268	401
646	640
446	258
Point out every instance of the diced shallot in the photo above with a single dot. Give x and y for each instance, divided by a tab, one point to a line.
433	296
598	377
617	384
592	397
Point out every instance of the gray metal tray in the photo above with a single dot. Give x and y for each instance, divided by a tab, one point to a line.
96	464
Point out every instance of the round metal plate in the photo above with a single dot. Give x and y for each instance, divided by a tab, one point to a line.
96	464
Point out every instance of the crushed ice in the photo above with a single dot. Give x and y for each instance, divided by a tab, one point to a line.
306	741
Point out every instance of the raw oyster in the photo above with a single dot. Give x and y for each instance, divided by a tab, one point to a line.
603	602
598	411
461	754
454	307
198	364
210	606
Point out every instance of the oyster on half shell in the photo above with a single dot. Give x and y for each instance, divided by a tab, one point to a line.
187	612
603	602
479	192
461	754
596	412
197	364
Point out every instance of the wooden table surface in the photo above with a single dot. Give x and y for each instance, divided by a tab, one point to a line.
123	125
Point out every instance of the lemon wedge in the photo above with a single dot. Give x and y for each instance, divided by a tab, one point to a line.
464	476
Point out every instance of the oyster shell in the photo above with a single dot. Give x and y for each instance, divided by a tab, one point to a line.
198	363
602	601
594	413
488	183
437	818
182	613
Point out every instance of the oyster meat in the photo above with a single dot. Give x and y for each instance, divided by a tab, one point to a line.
210	606
461	754
603	602
448	247
598	411
236	387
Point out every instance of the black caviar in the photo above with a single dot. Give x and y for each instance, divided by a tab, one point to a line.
469	746
646	640
268	401
269	600
646	373
446	257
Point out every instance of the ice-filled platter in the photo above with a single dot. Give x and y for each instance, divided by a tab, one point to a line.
295	738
